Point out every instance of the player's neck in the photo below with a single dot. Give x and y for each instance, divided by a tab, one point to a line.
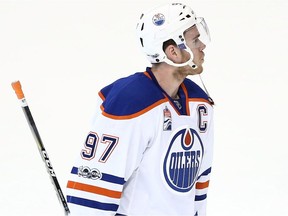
167	80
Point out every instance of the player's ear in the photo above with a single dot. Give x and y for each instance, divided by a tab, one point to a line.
173	53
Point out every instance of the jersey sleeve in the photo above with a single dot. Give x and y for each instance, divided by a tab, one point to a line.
109	155
203	179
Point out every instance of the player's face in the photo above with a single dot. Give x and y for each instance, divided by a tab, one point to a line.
197	46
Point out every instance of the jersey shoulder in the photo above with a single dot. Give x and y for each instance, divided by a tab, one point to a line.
194	91
130	96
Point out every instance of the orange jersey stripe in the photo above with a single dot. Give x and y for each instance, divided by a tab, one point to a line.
147	74
93	189
135	114
186	95
101	96
202	185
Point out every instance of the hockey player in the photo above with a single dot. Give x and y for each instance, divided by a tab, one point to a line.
149	150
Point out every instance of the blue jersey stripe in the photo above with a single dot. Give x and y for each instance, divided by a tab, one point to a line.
92	203
105	177
201	197
206	172
112	179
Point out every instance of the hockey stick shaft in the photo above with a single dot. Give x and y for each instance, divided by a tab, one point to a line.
20	95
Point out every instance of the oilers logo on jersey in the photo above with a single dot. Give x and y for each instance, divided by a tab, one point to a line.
183	160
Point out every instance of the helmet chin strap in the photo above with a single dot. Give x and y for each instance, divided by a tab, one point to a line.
189	62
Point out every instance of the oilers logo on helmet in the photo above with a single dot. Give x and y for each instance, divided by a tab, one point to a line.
158	19
183	160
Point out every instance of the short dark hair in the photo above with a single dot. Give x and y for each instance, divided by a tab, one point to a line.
164	46
168	43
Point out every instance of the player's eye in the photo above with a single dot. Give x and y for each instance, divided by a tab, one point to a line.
195	41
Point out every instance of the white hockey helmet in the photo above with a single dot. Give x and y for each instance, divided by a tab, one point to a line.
166	22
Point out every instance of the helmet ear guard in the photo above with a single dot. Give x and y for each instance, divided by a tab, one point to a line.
163	23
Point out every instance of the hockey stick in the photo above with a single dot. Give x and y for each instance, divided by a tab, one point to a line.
20	95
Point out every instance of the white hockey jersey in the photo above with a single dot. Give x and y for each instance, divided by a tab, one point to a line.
144	155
